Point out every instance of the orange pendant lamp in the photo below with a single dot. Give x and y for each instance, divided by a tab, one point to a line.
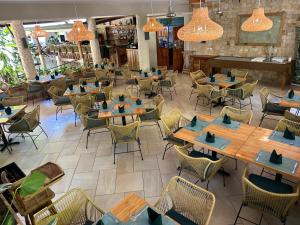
152	25
200	28
257	21
38	32
79	33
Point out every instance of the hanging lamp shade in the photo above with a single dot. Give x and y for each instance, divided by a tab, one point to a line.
153	25
79	33
257	21
200	28
38	32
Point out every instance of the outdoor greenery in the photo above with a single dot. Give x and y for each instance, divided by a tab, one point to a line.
11	70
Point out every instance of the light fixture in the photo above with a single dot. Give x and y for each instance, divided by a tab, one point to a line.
257	21
38	32
200	28
152	25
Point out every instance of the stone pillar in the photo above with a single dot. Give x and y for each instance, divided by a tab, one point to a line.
95	49
41	56
143	48
23	49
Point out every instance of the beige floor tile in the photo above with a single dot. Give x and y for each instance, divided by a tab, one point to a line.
50	158
63	185
152	183
104	163
107	182
106	202
125	163
68	161
149	163
128	182
85	163
86	181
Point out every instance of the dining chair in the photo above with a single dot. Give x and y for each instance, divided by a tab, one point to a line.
291	116
195	76
241	93
34	90
168	84
101	74
172	121
268	196
74	207
144	86
58	99
186	203
153	112
87	100
291	125
243	116
125	135
202	166
90	121
239	73
27	125
12	101
59	83
88	80
163	69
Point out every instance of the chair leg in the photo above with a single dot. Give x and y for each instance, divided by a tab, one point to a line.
210	108
250	102
207	185
139	144
238	215
87	139
191	94
56	111
115	146
33	141
166	148
261	120
236	164
160	129
75	118
262	171
196	103
180	170
43	130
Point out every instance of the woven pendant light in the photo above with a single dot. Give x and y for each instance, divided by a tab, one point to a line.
257	21
152	25
79	33
38	32
200	28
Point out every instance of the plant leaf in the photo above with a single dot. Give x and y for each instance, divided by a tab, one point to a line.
53	221
32	183
10	220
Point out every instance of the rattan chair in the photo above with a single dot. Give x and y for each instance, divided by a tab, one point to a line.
268	196
73	208
90	121
172	121
163	69
12	101
243	116
239	73
87	100
125	135
291	125
241	94
186	203
204	166
26	125
58	99
152	114
195	76
33	89
291	116
106	93
168	84
59	83
144	86
88	80
101	74
270	108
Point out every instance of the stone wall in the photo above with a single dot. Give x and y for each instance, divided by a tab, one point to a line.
227	44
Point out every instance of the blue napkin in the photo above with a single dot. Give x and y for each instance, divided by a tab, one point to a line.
278	136
234	125
220	143
200	125
126	111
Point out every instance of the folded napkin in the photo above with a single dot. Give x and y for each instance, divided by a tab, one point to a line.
229	74
210	138
154	217
226	119
212	79
138	101
145	74
232	78
84	82
121	109
153	70
194	121
71	87
82	89
37	77
121	98
52	77
275	158
140	72
55	72
104	104
158	72
2	106
102	66
291	94
8	110
96	65
97	83
289	134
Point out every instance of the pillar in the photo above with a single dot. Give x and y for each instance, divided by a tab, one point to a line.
41	56
23	49
143	48
95	49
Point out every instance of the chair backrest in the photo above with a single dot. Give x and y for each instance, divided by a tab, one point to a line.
88	80
239	73
59	83
101	74
86	100
12	101
263	94
171	121
32	118
107	91
197	75
239	115
55	93
248	88
291	116
130	132
145	84
163	69
190	200
291	125
159	102
205	89
269	202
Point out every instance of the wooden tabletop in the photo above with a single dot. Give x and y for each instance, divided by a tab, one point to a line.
16	110
221	81
290	103
90	88
47	79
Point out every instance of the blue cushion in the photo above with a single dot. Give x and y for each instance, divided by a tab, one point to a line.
182	220
270	185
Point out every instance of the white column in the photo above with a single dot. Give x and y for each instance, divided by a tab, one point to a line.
143	48
23	49
95	49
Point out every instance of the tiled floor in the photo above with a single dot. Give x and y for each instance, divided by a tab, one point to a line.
93	170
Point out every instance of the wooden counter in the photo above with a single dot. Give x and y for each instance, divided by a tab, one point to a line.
133	59
200	62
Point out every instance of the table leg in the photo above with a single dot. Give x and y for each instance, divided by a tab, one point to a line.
278	177
124	120
221	171
6	142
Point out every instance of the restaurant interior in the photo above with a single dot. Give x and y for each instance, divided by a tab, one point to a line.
159	112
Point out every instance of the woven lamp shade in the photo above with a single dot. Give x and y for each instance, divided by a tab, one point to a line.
257	21
153	25
80	33
200	28
38	32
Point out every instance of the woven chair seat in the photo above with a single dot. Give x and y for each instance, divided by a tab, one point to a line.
274	108
63	100
179	218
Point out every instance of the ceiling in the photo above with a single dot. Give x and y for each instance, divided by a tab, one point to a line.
89	1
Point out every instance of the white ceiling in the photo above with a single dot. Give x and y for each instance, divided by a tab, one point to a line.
89	1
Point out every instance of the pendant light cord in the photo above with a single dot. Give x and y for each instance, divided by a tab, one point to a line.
75	8
258	3
151	7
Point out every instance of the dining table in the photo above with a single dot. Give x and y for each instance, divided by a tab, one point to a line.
47	78
293	102
89	88
222	81
7	118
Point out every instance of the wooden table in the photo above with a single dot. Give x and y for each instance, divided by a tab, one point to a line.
290	103
283	69
4	118
221	81
47	79
90	88
259	140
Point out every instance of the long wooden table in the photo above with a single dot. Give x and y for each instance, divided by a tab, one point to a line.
283	69
221	81
246	143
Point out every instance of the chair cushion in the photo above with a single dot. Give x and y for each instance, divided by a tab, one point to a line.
274	108
17	127
100	97
197	154
63	100
179	218
176	141
270	185
35	88
95	123
149	116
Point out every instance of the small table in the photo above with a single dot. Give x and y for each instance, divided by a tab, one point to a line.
291	103
221	81
4	118
90	88
47	79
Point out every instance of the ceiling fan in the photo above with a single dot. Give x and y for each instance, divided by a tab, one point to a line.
170	14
